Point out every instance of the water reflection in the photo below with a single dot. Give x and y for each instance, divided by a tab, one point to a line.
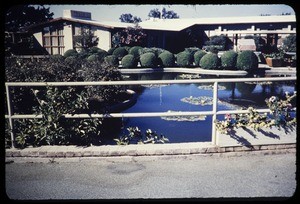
163	98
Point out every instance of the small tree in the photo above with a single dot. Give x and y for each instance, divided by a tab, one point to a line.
130	36
289	43
86	39
128	18
155	13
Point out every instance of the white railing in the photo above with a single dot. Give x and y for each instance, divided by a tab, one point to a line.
214	112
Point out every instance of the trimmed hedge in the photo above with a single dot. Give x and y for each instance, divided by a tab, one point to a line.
198	55
135	51
228	59
148	59
247	61
210	61
101	54
120	52
129	61
111	60
93	57
111	50
70	52
166	59
184	59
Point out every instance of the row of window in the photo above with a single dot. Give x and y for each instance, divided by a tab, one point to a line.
53	38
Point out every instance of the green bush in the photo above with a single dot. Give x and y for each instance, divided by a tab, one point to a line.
111	50
198	55
120	52
93	57
94	50
289	43
210	61
247	61
129	61
135	51
101	54
70	52
127	48
184	59
166	59
148	60
111	60
157	51
228	59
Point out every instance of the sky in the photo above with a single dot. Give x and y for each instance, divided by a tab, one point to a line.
112	12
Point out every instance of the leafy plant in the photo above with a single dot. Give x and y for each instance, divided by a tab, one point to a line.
210	61
280	117
184	59
247	61
136	134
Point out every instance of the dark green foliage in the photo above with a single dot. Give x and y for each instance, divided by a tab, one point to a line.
166	59
101	54
228	59
70	52
93	57
128	61
210	61
130	36
222	42
192	50
198	55
111	50
157	51
53	102
112	60
148	60
129	18
127	48
120	52
135	51
289	43
86	39
247	61
184	59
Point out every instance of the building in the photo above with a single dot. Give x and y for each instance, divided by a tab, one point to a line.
57	35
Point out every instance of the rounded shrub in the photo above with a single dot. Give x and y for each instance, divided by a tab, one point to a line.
111	50
71	60
166	59
94	50
210	61
228	59
198	55
70	52
92	57
101	54
135	51
111	60
247	61
127	48
120	52
129	61
148	60
184	59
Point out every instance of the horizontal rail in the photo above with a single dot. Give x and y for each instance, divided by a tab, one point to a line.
146	82
144	114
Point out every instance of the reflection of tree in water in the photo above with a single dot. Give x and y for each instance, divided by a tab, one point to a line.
245	89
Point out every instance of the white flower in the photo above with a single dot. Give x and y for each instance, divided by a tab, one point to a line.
272	99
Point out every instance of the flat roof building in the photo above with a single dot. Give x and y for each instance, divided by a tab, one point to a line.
57	36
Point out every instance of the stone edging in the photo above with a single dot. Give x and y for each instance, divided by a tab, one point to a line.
137	150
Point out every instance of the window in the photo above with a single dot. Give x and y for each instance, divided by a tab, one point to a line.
53	40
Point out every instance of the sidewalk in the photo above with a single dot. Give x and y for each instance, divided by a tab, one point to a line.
138	150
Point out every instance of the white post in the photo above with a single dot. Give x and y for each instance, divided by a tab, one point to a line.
9	116
214	110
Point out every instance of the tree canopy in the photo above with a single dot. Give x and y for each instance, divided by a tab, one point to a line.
128	18
155	13
18	17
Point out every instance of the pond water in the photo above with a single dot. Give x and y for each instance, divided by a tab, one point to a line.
191	97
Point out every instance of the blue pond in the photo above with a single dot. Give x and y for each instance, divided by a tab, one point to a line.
169	98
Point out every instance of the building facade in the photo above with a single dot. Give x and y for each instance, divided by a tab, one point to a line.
57	36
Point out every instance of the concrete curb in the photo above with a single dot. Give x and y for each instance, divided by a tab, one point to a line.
137	150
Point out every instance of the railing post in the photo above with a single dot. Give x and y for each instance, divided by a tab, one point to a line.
214	110
9	116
